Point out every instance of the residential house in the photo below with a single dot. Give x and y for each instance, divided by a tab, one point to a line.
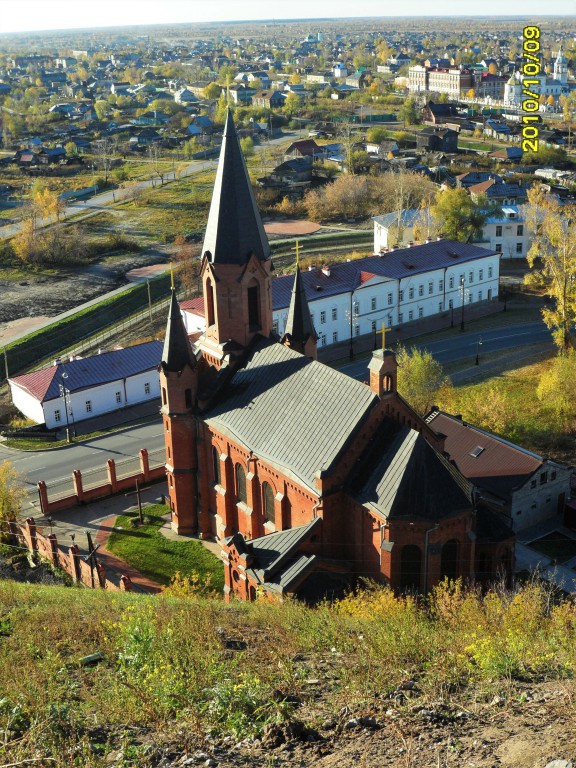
436	139
64	393
500	193
507	234
522	487
269	99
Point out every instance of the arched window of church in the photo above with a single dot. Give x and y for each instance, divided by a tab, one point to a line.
216	465
410	568
241	483
268	499
449	560
209	302
254	307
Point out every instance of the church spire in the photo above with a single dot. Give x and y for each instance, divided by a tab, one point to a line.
234	230
299	333
177	352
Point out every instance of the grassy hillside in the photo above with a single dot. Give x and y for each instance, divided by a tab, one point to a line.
180	676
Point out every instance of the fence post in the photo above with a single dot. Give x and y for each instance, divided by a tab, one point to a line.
30	534
100	573
125	583
74	557
43	495
78	489
111	470
145	464
53	548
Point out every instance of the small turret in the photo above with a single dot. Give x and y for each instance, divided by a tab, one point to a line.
299	333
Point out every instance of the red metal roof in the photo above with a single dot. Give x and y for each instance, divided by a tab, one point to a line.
194	305
488	461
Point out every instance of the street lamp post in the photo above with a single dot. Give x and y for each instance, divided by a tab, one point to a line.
478	345
66	396
463	297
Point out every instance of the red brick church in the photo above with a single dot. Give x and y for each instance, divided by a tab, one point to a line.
307	477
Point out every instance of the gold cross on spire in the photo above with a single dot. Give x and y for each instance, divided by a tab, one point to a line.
297	249
171	276
383	333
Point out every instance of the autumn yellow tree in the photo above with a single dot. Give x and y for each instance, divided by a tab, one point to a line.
422	381
12	496
552	258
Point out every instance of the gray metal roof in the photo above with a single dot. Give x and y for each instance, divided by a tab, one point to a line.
234	230
275	551
412	479
347	276
295	413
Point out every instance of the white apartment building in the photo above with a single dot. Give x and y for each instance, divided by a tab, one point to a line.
355	297
509	234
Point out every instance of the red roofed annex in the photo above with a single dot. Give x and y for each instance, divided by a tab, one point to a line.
307	477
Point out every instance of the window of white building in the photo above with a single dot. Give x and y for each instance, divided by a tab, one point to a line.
57	415
88	406
118	397
334	313
372	303
147	388
322	317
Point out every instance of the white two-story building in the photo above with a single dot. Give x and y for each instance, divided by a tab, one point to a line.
355	297
507	234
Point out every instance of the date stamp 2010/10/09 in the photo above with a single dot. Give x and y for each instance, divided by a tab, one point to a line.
531	69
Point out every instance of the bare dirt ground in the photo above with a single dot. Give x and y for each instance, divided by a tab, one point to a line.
41	296
529	725
291	228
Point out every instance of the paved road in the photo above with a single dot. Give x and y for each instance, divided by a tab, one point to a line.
462	346
58	464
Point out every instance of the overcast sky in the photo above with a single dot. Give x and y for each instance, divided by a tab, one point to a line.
25	15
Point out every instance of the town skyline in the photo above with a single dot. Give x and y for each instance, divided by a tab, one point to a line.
34	16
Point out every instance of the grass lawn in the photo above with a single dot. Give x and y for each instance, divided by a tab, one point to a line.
153	555
556	545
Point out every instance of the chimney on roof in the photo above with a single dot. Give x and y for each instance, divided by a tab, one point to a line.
326	270
428	239
411	244
439	237
310	268
395	247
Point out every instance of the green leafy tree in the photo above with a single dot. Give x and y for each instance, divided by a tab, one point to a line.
552	258
421	380
247	146
458	217
212	91
408	112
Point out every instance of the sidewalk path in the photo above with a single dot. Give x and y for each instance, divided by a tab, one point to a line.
140	582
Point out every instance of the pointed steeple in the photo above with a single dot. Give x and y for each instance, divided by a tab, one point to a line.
234	230
177	352
299	333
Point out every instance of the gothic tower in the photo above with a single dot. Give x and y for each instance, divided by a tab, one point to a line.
236	261
179	387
